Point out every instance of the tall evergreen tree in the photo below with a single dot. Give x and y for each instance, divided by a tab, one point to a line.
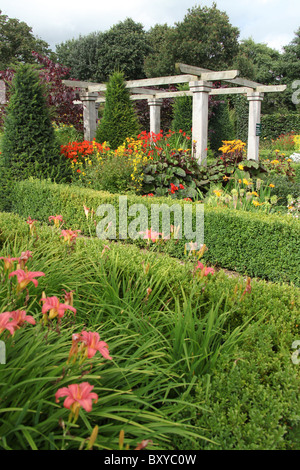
29	146
119	119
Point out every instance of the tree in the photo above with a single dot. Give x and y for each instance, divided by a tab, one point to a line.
123	47
95	57
17	42
119	119
204	38
264	61
81	56
161	59
29	147
290	59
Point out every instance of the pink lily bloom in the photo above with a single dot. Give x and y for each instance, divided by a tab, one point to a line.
25	277
70	235
204	269
69	297
22	260
7	323
92	344
30	222
77	395
56	219
55	308
20	317
8	262
150	235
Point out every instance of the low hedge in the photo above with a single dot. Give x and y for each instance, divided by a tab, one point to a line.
273	125
253	243
252	397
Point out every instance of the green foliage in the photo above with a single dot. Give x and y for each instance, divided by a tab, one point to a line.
28	145
119	119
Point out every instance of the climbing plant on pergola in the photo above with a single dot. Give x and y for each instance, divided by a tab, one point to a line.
200	82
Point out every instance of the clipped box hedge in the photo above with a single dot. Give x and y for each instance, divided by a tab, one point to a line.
252	243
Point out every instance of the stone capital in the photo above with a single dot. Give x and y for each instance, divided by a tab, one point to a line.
200	86
255	96
155	101
88	95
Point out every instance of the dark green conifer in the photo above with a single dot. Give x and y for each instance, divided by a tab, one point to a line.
119	119
29	145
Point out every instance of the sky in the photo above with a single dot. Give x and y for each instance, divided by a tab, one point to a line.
272	22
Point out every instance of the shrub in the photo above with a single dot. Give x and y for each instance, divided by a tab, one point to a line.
119	119
29	146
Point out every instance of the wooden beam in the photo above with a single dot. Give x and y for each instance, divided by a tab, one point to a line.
78	84
199	71
225	75
146	91
149	82
270	88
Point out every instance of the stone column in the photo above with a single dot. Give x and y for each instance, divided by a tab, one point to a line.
155	107
200	91
255	99
89	114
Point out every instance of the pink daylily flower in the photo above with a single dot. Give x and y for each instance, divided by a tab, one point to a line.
21	317
150	235
55	308
8	262
30	222
78	395
7	323
22	260
56	219
92	344
204	269
70	235
24	277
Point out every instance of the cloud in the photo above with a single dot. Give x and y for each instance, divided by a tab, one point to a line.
270	21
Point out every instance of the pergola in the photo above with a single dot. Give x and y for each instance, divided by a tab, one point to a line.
200	87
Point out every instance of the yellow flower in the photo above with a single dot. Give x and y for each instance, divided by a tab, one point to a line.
254	193
256	203
217	192
241	167
272	185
